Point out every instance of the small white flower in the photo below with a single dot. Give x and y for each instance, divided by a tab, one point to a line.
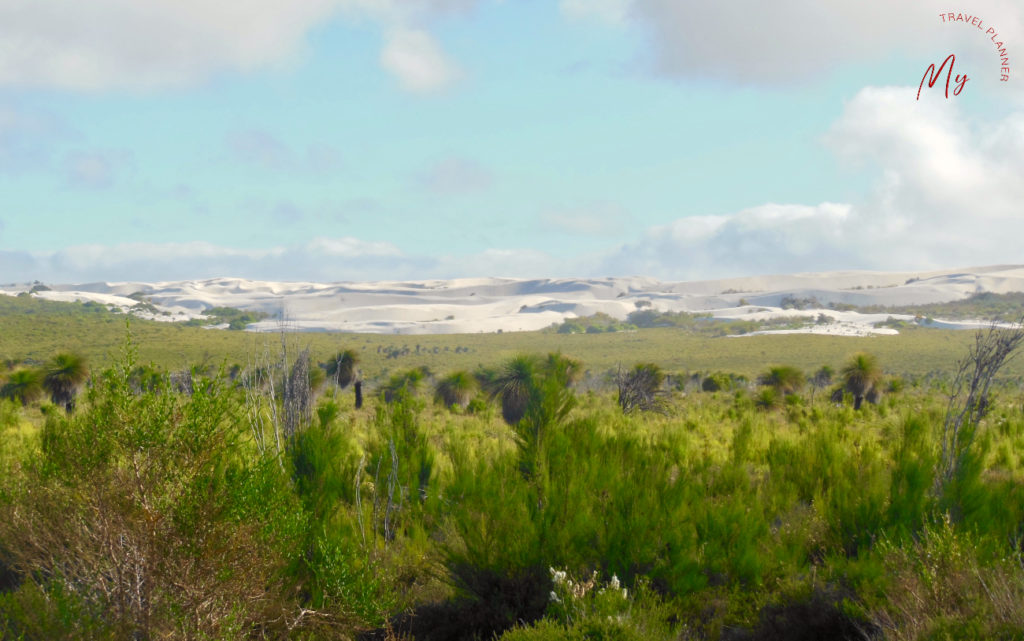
554	597
625	594
614	582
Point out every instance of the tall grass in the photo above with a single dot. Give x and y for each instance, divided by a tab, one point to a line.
151	512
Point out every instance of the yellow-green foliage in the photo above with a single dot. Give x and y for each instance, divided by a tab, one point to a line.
811	514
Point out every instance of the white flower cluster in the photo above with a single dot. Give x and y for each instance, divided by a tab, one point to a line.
579	589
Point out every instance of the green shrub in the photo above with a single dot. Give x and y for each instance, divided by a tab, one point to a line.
154	517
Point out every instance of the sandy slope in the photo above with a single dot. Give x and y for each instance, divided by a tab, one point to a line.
472	305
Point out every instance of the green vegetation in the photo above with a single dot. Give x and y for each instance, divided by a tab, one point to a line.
456	389
861	376
784	379
63	376
206	507
983	306
34	330
236	319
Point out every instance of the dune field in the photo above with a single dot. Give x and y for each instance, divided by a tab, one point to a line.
473	305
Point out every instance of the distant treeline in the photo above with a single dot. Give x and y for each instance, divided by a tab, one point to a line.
697	323
984	306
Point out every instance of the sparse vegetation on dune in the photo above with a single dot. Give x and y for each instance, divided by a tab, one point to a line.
34	330
531	502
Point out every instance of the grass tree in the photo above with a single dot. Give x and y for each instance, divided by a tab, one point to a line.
63	377
784	379
512	386
343	368
860	376
458	388
24	385
519	377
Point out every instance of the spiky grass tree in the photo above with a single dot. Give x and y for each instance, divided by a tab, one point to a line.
24	385
512	386
343	368
535	397
860	375
784	379
458	388
63	377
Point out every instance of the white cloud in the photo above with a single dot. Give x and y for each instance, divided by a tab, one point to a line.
792	40
948	195
158	44
765	239
102	44
416	60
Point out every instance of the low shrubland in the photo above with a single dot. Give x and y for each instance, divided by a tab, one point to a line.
521	508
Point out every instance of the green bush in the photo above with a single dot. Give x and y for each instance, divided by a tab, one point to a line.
146	515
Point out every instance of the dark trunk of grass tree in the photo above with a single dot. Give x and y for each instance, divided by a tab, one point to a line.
359	394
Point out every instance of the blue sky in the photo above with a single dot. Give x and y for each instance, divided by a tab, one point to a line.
393	139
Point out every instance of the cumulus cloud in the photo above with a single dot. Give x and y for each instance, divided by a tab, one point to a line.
948	194
765	239
159	44
114	43
793	40
416	60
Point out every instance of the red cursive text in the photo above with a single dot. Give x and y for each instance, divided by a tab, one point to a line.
931	75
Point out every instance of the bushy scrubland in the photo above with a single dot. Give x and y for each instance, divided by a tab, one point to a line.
154	513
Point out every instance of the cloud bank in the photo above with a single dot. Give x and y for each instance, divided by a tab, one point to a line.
164	44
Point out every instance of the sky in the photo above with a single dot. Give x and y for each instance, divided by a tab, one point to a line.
349	140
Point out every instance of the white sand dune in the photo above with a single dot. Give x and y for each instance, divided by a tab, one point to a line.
471	305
